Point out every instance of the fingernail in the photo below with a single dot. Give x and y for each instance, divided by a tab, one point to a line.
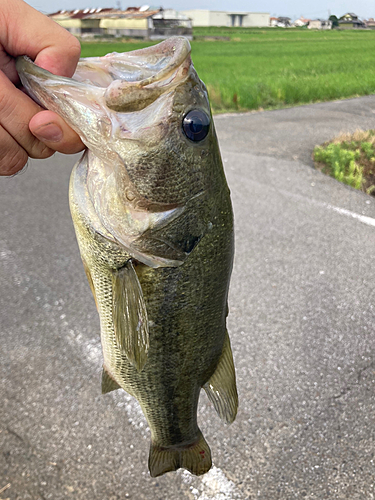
49	132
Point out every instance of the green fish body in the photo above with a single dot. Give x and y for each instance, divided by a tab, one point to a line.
154	223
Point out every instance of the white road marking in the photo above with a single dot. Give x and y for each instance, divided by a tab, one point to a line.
370	221
362	218
214	485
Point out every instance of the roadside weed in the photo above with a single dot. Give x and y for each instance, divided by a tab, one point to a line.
350	158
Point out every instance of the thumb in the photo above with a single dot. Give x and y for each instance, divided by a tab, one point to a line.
51	129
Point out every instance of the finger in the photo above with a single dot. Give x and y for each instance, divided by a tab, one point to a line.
8	67
55	133
24	30
16	110
57	63
13	158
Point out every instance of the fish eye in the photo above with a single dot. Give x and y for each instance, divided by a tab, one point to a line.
196	124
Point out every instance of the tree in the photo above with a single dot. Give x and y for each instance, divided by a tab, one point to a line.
335	21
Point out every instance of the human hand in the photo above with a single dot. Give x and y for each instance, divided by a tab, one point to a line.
26	130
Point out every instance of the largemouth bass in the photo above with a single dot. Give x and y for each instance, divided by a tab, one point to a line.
153	218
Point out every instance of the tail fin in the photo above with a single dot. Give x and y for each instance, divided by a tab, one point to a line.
195	457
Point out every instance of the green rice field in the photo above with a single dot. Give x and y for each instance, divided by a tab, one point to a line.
260	68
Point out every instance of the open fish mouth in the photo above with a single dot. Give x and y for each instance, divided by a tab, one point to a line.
102	87
155	70
135	79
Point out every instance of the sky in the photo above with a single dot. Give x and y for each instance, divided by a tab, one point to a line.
290	8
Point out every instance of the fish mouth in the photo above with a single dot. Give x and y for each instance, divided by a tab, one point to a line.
153	67
124	83
135	79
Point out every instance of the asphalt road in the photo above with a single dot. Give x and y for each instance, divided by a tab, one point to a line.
301	323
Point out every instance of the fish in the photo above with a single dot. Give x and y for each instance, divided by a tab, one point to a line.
153	219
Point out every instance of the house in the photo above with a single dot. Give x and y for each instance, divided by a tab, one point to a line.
274	21
137	22
350	21
284	22
299	23
320	24
370	23
205	17
280	22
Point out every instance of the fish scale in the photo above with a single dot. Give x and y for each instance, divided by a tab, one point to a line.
154	225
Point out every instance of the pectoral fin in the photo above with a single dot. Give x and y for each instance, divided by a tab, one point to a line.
221	388
130	316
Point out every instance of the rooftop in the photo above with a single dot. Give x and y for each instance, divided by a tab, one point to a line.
138	12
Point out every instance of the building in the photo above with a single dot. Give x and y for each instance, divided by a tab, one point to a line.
134	22
350	21
79	21
169	22
280	22
299	23
205	17
137	22
370	23
320	24
274	21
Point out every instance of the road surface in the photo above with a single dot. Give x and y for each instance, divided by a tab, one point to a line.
301	323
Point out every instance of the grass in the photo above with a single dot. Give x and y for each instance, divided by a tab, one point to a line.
262	68
350	158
